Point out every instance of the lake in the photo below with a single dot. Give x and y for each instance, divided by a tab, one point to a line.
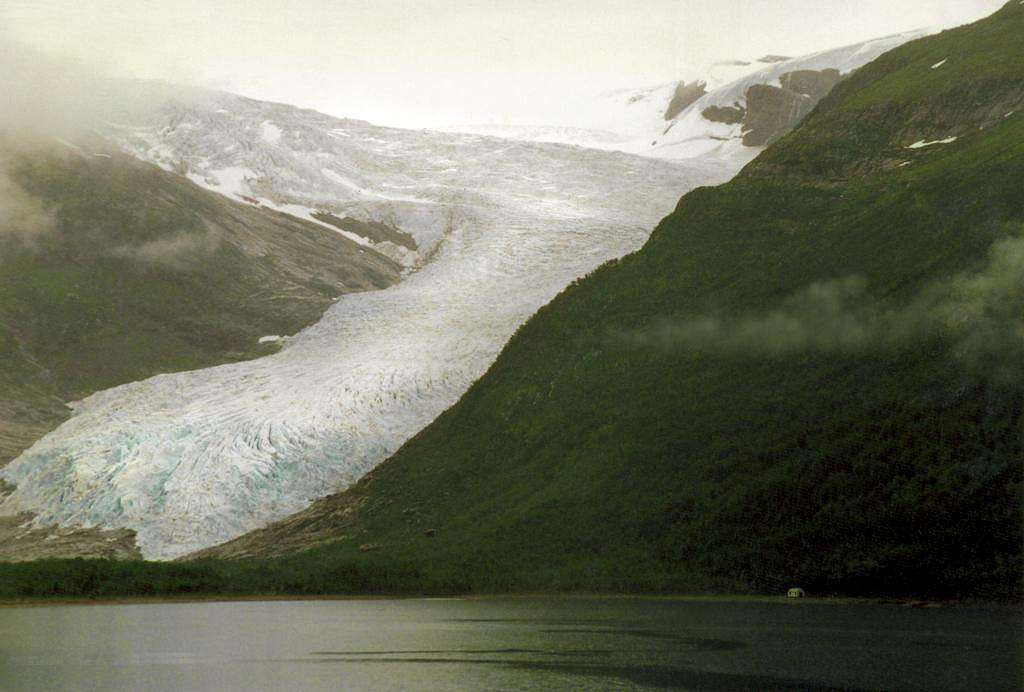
542	643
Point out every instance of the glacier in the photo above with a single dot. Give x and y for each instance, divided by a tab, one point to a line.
189	460
502	223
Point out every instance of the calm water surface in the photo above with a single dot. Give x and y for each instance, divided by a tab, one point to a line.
514	643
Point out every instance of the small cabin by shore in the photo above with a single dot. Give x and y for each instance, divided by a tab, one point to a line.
796	592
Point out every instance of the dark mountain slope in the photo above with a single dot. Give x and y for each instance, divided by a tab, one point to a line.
114	270
809	375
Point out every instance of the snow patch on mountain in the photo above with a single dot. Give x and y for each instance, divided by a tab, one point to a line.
922	144
227	181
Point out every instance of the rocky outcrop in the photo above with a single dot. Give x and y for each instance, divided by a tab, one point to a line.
730	115
684	96
814	83
375	231
772	112
20	541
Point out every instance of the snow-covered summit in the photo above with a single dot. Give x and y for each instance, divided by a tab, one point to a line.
671	120
640	113
693	133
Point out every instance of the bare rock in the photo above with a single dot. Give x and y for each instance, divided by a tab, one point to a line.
814	83
730	115
684	97
772	112
20	541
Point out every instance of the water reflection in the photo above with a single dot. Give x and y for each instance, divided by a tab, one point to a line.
524	643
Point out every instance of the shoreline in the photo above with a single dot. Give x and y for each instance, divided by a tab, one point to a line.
723	598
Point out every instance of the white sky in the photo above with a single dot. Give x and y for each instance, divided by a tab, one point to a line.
423	63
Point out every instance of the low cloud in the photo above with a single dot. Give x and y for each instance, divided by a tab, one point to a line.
175	252
45	101
984	313
44	96
22	216
48	96
56	106
820	317
980	315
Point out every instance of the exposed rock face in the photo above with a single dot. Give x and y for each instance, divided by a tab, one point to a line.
20	541
685	95
377	231
813	83
773	111
730	115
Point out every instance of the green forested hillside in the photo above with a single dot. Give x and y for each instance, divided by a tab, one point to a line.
812	374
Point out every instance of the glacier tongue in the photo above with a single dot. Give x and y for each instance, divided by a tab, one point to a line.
192	459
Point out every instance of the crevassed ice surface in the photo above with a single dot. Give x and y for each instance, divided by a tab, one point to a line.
192	459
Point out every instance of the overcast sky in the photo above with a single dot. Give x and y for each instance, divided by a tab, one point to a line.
424	63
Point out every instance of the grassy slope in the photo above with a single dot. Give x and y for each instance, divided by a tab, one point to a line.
143	272
608	448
